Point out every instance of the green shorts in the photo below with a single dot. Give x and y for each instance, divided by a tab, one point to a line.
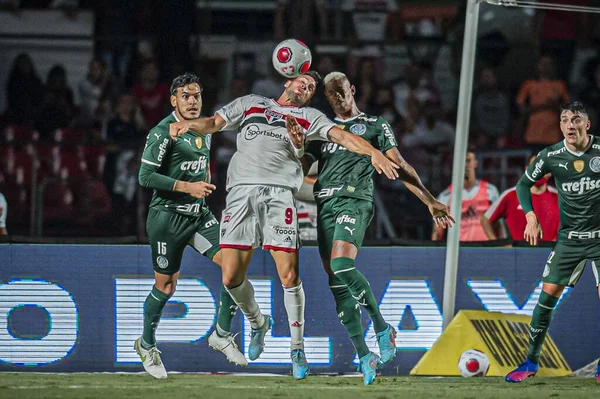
566	262
170	232
342	218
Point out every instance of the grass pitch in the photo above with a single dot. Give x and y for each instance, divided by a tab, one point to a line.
186	386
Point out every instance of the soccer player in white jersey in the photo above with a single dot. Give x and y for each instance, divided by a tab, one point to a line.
262	178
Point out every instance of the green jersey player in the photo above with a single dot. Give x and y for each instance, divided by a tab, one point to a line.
575	165
178	171
344	195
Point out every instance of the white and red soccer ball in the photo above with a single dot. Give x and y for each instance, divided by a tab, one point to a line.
291	58
473	363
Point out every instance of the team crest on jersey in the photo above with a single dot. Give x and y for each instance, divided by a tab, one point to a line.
358	128
273	116
342	126
162	262
199	142
595	164
578	165
546	271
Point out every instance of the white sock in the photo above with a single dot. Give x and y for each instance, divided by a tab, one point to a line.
243	295
293	298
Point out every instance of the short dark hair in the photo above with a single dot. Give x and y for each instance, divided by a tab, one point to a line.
184	80
575	107
315	75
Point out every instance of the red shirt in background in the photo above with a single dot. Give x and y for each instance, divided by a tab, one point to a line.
545	206
152	102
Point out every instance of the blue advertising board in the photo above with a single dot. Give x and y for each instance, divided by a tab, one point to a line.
79	307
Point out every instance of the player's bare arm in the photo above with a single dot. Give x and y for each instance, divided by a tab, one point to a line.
488	228
360	146
208	125
408	175
533	230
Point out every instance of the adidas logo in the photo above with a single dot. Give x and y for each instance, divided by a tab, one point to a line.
296	324
288	239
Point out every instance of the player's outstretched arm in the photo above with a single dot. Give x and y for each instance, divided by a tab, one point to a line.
439	211
360	146
209	125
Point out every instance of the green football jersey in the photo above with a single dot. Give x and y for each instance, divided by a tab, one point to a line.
343	173
186	159
577	178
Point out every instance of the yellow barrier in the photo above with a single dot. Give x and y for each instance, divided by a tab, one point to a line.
502	337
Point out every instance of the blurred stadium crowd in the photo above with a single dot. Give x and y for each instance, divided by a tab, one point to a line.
70	151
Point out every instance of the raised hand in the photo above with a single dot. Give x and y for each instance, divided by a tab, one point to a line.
295	131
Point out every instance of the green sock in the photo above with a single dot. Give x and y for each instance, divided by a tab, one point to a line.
227	309
153	307
344	269
348	311
540	321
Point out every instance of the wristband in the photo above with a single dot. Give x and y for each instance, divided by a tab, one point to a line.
299	152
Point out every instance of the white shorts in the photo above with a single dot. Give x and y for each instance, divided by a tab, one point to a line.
260	216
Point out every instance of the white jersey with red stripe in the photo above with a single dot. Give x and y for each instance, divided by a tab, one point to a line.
265	155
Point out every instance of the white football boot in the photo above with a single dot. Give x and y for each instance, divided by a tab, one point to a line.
228	347
151	360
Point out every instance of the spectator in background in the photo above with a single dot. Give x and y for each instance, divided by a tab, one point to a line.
95	93
413	89
430	131
383	105
491	112
298	19
366	84
3	210
545	201
58	108
23	89
538	102
477	196
152	94
125	134
127	127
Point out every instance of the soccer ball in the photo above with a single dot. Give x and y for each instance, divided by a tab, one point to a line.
473	363
291	58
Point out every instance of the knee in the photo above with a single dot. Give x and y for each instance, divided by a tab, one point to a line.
232	276
343	249
553	289
166	287
289	278
232	280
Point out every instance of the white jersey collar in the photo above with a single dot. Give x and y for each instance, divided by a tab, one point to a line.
349	119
